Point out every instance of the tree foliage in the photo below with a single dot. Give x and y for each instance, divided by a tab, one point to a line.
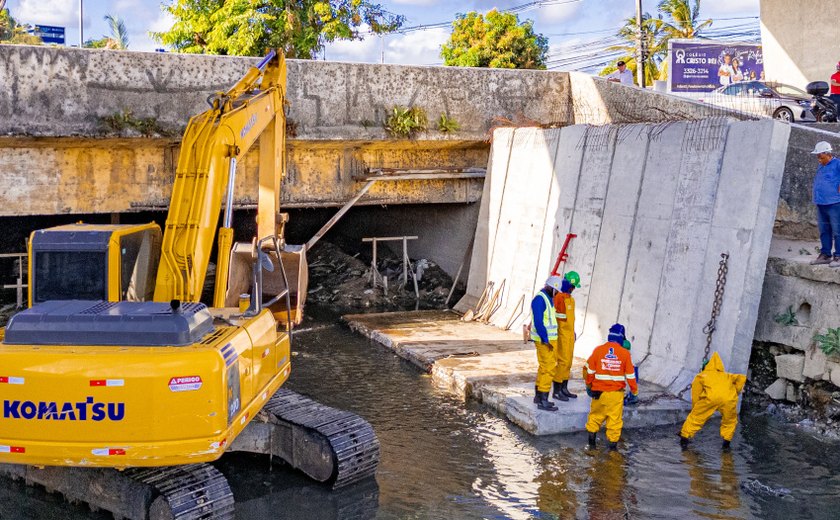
13	32
676	19
496	40
117	40
249	27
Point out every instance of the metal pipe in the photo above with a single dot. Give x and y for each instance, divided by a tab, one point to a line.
270	56
228	219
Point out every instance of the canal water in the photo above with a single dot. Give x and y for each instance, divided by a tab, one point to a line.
445	459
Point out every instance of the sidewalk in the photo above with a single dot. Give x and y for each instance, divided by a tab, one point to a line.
482	362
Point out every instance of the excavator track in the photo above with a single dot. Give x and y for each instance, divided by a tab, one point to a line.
190	492
194	492
328	444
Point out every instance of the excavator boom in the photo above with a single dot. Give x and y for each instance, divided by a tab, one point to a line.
213	143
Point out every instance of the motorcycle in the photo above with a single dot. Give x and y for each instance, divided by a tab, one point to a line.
824	108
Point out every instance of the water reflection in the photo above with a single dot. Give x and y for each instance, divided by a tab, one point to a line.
716	487
445	459
608	497
558	485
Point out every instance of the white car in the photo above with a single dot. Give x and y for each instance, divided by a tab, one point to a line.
765	98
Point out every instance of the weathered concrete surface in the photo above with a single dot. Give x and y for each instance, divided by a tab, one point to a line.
56	91
44	176
598	102
478	361
653	206
793	51
812	294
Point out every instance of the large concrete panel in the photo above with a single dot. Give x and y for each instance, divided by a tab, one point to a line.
614	240
654	206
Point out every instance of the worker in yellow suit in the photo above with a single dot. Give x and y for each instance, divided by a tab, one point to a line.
544	335
713	390
564	306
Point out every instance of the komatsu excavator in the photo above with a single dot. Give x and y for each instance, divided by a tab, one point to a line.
118	386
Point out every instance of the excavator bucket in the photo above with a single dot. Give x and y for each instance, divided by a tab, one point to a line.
294	275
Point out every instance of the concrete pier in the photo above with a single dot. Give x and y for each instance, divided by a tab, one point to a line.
478	361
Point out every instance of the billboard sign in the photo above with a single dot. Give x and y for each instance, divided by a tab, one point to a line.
49	34
702	66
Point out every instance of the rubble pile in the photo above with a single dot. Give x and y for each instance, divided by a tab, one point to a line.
346	282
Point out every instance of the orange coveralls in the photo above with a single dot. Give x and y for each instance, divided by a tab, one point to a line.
608	370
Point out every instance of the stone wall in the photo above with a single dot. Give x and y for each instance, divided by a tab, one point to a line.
798	301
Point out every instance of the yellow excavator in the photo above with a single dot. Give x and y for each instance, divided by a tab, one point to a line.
118	386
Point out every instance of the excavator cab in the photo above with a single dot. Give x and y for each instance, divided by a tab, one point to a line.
94	262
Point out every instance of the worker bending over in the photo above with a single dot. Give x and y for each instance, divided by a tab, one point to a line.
608	370
564	305
544	335
713	390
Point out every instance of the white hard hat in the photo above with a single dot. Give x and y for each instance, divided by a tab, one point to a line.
555	282
822	147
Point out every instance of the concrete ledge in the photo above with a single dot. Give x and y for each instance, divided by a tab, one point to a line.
492	366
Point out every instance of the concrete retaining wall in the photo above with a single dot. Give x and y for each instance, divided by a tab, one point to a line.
653	206
53	91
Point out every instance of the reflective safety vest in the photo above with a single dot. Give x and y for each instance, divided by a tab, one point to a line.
549	320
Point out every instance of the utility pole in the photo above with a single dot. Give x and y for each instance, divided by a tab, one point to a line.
81	23
640	58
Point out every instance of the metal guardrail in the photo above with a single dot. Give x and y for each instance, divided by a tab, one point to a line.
19	285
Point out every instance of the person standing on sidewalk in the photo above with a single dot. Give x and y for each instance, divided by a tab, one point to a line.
544	336
827	200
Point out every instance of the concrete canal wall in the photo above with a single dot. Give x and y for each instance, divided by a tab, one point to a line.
653	206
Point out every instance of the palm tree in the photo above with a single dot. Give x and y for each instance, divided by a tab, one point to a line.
677	19
684	19
118	40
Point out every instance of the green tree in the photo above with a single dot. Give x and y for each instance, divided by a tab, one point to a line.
13	32
249	27
118	39
677	19
496	40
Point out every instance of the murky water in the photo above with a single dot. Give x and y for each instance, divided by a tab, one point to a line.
445	459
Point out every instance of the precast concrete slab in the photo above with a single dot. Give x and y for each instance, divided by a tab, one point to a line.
654	207
478	361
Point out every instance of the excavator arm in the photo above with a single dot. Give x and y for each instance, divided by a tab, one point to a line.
213	143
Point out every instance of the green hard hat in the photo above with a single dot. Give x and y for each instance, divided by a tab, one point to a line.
573	278
626	344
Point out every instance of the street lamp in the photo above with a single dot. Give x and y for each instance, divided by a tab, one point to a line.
81	23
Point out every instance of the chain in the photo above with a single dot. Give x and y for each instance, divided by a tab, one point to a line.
708	330
710	327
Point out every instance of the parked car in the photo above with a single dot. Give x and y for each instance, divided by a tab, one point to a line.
765	98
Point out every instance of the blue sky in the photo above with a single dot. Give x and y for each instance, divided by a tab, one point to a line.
569	24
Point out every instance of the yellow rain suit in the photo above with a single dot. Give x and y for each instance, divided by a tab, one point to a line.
544	318
714	390
564	306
